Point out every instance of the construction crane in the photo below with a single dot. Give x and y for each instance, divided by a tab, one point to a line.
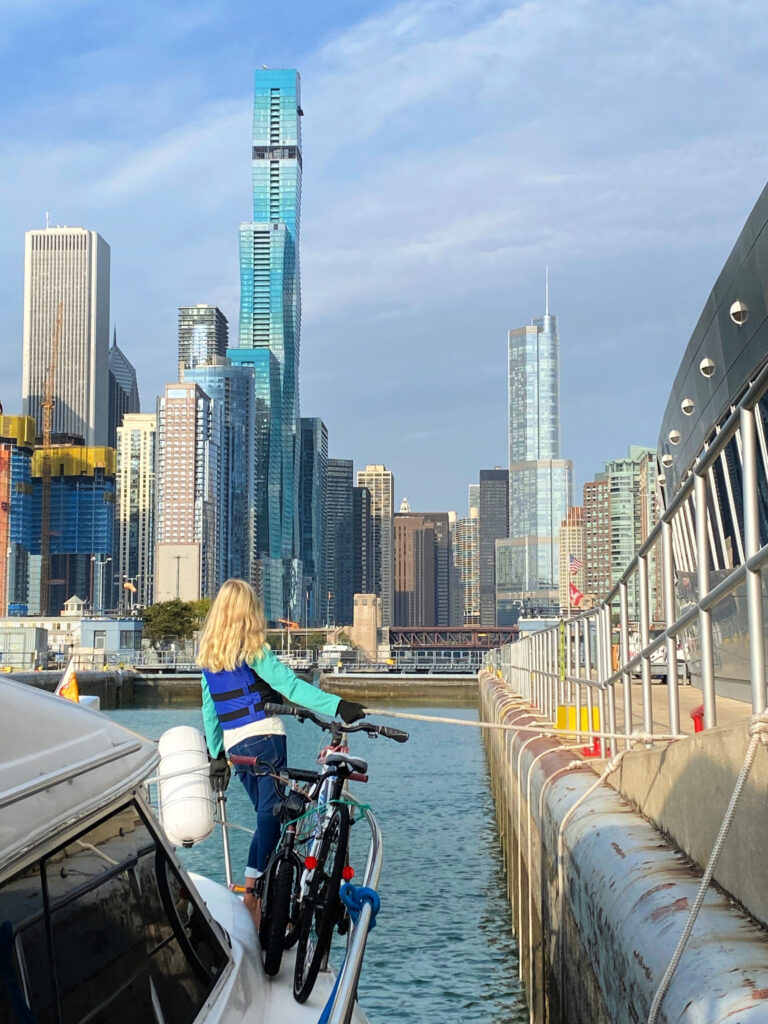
48	403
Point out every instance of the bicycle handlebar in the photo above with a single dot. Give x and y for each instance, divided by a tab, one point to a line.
297	774
398	735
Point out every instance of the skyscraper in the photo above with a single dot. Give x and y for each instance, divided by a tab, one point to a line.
231	389
312	513
188	493
339	540
362	542
71	266
123	389
466	557
381	483
17	444
572	556
270	320
136	447
540	482
493	525
203	335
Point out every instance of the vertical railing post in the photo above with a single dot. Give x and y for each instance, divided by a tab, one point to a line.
577	673
705	616
626	678
754	582
668	591
607	632
588	675
645	632
568	661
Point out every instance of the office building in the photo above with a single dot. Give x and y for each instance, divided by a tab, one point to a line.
231	388
270	322
631	519
597	537
381	484
339	540
467	560
17	444
68	266
425	581
540	482
572	550
188	493
312	513
493	525
362	541
203	336
136	451
82	523
123	389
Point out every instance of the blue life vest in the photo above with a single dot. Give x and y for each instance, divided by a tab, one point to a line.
240	695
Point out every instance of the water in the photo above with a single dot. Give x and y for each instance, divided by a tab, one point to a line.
443	948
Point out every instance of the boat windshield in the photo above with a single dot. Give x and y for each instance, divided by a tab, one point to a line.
105	929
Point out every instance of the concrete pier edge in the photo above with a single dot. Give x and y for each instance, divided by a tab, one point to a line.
597	951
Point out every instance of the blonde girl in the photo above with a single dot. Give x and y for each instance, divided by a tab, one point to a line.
240	675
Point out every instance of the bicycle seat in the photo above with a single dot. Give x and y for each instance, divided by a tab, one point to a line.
357	764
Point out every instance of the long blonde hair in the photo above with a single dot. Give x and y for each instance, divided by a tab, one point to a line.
234	628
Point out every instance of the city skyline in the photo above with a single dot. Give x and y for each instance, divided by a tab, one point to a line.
431	258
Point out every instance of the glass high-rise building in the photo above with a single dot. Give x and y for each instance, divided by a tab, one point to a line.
312	511
123	389
493	525
203	335
339	540
270	323
540	482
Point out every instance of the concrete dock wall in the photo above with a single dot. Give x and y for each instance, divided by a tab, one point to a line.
597	926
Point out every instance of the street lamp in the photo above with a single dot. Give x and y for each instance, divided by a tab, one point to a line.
99	563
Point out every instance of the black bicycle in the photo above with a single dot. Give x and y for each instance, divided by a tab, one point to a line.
300	897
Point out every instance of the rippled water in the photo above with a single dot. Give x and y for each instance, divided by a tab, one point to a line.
443	948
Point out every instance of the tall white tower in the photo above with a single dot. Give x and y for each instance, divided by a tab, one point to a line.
69	265
136	508
381	483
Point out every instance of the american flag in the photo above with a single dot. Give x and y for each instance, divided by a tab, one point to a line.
574	564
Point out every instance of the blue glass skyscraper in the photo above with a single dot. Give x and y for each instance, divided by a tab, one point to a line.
270	324
540	482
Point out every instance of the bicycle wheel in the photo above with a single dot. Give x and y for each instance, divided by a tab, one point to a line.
276	911
320	913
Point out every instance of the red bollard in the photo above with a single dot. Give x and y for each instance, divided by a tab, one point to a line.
697	714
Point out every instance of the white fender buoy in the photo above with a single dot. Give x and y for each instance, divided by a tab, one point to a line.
185	796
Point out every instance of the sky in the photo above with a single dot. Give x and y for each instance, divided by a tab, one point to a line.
451	150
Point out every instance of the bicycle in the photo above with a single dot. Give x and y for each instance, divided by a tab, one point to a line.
306	895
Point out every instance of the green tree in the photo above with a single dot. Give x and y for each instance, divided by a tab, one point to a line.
199	610
315	640
345	638
168	619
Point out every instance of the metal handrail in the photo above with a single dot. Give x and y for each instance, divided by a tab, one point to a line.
550	675
346	988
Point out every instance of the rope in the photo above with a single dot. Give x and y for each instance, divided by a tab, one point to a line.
758	731
354	897
634	737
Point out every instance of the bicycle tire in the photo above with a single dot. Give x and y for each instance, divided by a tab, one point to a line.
276	912
321	910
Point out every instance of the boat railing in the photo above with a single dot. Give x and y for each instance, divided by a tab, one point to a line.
357	937
711	609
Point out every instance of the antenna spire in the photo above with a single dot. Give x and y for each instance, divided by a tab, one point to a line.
546	291
47	219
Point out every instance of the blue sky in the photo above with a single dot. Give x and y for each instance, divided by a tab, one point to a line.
451	150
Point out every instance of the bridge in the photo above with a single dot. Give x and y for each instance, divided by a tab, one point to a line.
450	638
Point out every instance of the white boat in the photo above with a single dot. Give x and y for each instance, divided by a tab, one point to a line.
99	921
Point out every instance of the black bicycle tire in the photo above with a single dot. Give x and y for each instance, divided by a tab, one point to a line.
273	940
305	974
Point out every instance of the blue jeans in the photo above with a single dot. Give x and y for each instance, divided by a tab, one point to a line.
264	793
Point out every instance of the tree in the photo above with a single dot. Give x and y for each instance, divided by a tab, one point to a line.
315	640
345	638
168	619
199	610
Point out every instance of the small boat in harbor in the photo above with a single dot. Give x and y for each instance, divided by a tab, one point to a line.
99	920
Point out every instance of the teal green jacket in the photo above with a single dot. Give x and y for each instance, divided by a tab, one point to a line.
280	678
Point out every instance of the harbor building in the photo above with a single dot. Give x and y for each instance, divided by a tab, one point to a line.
188	494
203	336
17	444
123	389
381	484
82	525
540	481
270	324
136	452
68	266
313	496
231	388
493	525
339	540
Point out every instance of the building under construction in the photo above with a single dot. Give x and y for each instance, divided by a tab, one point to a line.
81	526
17	442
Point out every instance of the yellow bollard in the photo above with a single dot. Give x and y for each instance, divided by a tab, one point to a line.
566	718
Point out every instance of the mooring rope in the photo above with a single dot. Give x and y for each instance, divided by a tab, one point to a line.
758	731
